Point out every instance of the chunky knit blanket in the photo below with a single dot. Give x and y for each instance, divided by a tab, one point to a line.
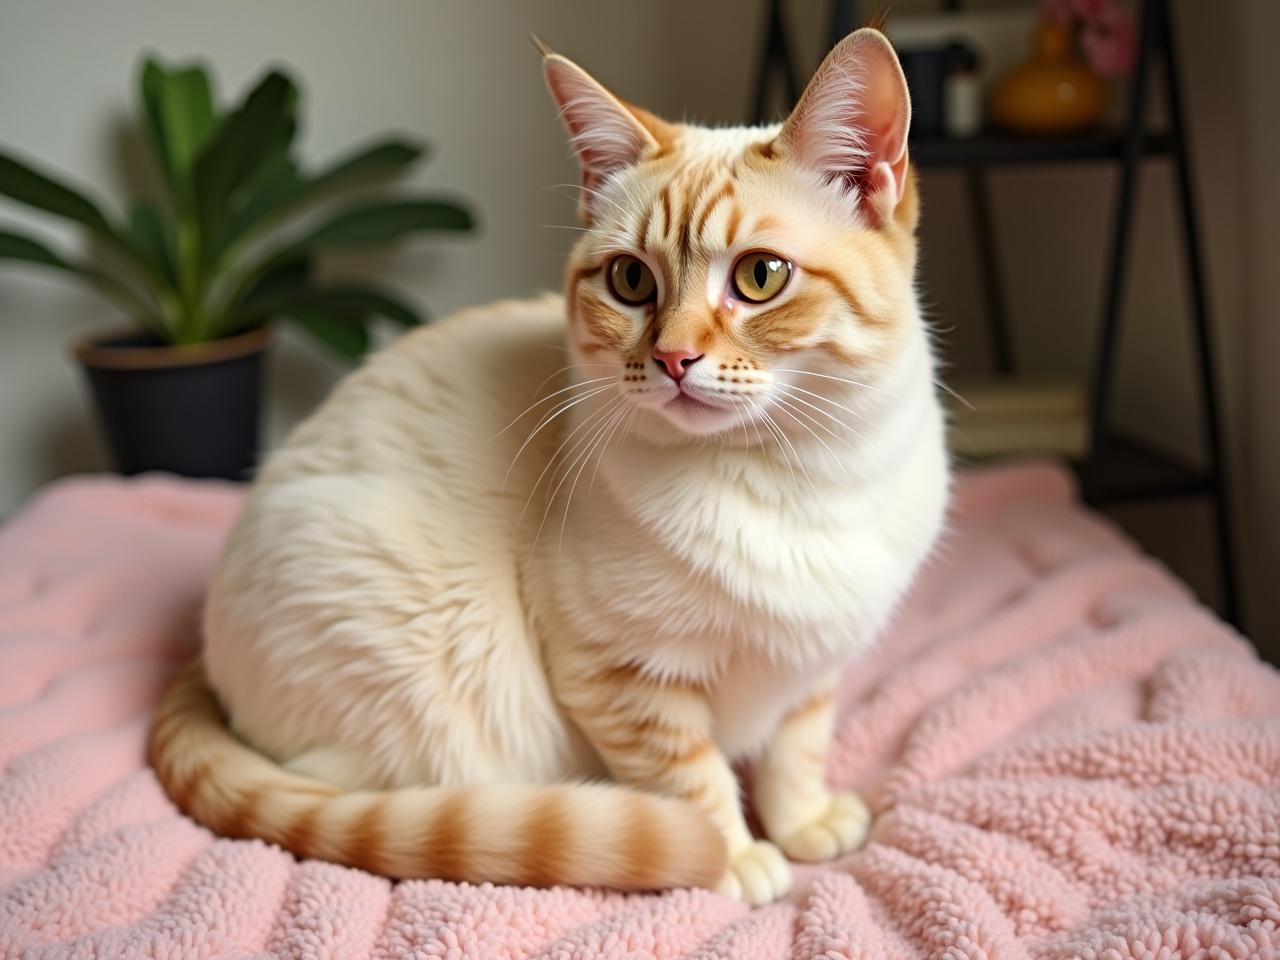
1067	755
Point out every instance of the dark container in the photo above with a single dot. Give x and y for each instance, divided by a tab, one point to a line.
926	71
189	410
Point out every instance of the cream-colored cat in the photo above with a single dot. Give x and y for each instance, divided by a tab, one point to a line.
438	634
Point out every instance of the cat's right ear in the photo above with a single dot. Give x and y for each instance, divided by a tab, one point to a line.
851	124
606	134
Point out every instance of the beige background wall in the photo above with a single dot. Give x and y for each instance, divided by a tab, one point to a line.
462	73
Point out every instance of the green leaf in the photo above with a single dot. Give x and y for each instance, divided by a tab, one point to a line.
353	301
364	225
189	118
287	276
380	158
280	276
151	85
371	302
274	195
14	246
268	196
149	236
378	223
180	117
261	128
25	184
346	335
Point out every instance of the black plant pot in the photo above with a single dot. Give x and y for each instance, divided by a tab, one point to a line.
190	410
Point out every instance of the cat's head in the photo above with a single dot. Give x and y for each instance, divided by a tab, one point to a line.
724	272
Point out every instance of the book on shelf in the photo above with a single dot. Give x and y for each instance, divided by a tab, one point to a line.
1004	417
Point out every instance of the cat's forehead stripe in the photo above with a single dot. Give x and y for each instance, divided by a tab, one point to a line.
724	192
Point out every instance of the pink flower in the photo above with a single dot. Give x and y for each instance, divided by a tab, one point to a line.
1108	43
1088	10
1104	29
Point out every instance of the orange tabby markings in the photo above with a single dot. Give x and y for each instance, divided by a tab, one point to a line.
444	689
548	831
724	193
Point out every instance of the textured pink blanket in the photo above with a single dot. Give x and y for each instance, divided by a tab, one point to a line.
1069	758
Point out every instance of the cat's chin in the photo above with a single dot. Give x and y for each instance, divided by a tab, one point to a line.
697	417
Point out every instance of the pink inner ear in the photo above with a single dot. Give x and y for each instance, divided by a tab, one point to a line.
851	124
605	135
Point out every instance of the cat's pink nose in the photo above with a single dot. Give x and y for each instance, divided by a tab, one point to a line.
676	362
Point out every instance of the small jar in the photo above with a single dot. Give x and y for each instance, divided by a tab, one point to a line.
962	92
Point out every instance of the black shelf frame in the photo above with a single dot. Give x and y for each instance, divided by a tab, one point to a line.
1117	468
1002	149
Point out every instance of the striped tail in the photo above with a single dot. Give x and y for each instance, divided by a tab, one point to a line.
530	834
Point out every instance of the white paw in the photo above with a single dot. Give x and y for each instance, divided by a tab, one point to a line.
757	874
842	828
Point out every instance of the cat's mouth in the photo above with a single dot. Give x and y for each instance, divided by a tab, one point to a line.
695	415
689	403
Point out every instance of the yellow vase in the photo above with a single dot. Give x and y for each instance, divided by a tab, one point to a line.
1054	92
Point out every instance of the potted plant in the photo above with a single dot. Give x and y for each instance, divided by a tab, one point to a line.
203	269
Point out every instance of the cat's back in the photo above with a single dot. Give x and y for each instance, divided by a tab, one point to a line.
434	391
380	543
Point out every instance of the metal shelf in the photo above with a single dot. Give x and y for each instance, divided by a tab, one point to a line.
1001	149
1117	468
1122	468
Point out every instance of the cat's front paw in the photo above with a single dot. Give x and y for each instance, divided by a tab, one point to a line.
757	874
840	829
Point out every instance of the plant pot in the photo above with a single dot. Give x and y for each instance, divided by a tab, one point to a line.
189	410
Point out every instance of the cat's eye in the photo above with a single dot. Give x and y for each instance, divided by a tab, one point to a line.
631	281
760	276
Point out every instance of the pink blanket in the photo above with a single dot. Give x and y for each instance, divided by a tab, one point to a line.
1068	756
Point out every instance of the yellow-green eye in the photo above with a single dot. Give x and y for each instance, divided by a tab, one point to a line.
760	276
631	281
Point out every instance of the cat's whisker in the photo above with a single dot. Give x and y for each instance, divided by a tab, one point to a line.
559	455
592	387
827	376
774	431
792	402
620	223
785	390
791	411
569	366
539	402
755	424
571	459
601	435
790	446
743	417
541	426
818	396
592	191
554	459
625	426
939	382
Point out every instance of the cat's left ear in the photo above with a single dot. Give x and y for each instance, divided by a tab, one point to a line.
851	123
606	134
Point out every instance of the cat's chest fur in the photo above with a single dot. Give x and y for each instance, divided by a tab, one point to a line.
728	571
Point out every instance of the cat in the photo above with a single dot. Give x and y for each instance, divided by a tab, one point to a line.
450	639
